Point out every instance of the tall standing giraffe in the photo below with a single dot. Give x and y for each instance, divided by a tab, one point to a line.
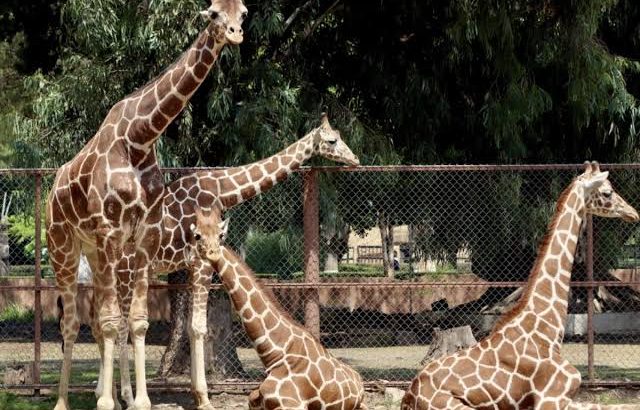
301	373
219	189
519	365
107	201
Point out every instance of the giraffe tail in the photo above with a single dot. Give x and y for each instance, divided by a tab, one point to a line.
593	406
60	305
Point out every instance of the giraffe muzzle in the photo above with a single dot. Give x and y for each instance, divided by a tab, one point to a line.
631	216
234	34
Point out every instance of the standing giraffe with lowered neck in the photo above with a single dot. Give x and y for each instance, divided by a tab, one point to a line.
519	365
107	202
301	373
220	189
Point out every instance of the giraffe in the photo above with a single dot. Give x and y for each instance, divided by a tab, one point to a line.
519	365
107	202
221	189
301	373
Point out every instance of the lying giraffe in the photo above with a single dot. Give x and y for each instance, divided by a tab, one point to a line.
221	189
519	365
301	373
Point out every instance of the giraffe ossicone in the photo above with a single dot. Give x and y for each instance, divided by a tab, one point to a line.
107	203
301	372
519	364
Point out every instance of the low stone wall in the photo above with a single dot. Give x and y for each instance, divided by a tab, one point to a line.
385	300
158	300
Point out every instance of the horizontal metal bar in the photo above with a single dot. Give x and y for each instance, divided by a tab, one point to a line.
374	168
246	386
343	285
478	167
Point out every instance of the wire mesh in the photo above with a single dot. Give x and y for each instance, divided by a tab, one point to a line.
397	251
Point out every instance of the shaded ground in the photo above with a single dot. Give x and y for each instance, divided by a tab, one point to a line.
612	361
183	401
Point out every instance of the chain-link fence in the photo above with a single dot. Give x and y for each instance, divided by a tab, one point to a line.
370	259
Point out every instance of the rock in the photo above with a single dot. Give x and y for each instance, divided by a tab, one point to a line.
393	395
167	406
18	374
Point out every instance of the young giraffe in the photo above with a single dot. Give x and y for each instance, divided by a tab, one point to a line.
107	202
301	373
519	365
221	189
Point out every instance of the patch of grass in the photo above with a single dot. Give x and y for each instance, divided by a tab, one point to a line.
611	373
17	313
80	401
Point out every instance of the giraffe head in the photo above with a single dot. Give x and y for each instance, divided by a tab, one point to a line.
601	199
328	143
208	233
227	17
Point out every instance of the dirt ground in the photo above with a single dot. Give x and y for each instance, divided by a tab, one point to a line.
374	400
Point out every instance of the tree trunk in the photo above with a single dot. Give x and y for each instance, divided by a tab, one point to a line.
386	235
445	342
330	259
176	358
221	358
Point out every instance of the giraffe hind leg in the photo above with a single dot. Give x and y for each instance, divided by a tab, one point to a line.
65	258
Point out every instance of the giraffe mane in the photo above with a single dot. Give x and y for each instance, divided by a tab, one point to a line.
543	248
268	296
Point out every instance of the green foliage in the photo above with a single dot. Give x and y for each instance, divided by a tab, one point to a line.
16	402
22	228
17	313
406	82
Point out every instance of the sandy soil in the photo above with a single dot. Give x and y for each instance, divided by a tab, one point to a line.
375	401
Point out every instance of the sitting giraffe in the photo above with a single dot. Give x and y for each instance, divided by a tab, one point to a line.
301	373
519	365
221	189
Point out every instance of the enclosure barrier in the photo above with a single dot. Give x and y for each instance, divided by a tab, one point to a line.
323	244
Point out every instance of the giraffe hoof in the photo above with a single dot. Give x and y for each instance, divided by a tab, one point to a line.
207	406
61	405
141	403
106	403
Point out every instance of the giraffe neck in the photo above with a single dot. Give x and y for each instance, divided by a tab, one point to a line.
266	326
239	184
151	109
547	290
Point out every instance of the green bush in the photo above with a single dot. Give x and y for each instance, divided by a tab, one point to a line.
276	253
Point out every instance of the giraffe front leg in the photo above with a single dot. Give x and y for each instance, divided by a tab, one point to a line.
108	254
97	335
138	324
201	274
109	318
125	287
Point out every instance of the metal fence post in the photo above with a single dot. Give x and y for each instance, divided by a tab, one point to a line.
311	223
38	283
590	330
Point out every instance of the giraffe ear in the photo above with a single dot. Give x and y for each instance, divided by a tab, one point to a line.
224	228
596	180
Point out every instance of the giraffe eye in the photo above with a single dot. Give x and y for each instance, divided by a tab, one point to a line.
197	236
607	194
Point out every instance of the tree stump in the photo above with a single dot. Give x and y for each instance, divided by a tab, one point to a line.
445	342
221	357
18	375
